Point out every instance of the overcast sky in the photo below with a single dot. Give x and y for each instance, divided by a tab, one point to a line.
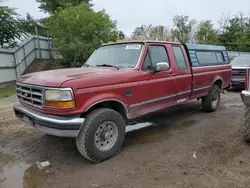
133	13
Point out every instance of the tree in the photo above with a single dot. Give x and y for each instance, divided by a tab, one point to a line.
9	28
78	31
121	35
150	32
206	34
236	34
223	22
141	32
28	25
160	33
51	5
183	27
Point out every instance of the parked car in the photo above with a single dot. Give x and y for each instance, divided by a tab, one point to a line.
239	67
245	96
120	82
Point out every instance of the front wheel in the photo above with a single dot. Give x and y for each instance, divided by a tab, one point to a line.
211	102
245	126
102	135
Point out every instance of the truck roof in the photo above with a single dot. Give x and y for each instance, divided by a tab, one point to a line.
140	41
189	46
205	47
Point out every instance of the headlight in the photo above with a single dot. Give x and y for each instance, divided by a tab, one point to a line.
59	98
58	95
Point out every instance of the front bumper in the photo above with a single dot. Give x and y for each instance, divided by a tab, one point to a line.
62	126
238	83
245	96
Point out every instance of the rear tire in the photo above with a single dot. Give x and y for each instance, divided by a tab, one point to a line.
211	102
245	126
102	135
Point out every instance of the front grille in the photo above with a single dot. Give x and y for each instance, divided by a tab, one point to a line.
30	94
238	78
238	72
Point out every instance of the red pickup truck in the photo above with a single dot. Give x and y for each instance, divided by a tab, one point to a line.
120	82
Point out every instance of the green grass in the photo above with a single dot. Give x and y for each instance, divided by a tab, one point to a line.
7	91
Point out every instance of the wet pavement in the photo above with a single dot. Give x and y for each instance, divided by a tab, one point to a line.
18	174
157	152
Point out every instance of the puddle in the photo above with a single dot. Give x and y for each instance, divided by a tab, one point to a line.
33	177
14	174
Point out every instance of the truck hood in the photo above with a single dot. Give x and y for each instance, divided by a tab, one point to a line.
55	78
239	67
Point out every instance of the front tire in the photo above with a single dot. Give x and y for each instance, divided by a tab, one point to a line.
211	102
245	126
102	135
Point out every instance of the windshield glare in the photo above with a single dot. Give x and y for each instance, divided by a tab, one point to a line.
241	61
119	55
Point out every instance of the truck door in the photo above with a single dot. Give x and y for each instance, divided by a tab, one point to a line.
183	74
159	90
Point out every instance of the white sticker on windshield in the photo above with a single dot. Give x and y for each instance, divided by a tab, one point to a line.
133	47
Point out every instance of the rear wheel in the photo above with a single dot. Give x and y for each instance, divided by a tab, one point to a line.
102	135
211	102
245	126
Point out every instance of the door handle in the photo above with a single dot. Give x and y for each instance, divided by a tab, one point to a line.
171	74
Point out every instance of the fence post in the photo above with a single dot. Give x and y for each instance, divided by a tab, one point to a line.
34	40
15	62
24	57
38	43
49	45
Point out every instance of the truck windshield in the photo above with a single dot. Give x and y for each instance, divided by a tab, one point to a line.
117	55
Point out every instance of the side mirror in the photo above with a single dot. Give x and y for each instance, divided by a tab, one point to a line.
162	66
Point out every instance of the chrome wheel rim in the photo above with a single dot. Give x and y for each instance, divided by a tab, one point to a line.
106	136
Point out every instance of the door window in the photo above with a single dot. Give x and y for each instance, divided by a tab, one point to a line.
155	54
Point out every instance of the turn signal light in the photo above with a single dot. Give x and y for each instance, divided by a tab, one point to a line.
60	104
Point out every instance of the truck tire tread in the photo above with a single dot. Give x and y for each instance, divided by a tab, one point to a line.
83	139
207	100
245	127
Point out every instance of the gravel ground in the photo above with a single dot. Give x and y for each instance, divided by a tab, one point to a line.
160	155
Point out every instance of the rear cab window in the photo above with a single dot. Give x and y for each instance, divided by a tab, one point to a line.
220	57
206	55
179	57
210	57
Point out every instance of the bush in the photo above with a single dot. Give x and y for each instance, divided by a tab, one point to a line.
78	31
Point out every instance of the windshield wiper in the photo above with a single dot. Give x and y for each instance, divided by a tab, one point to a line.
107	65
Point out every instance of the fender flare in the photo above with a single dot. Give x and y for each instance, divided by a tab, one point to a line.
104	98
217	78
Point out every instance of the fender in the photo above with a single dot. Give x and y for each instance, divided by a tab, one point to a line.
96	99
216	79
